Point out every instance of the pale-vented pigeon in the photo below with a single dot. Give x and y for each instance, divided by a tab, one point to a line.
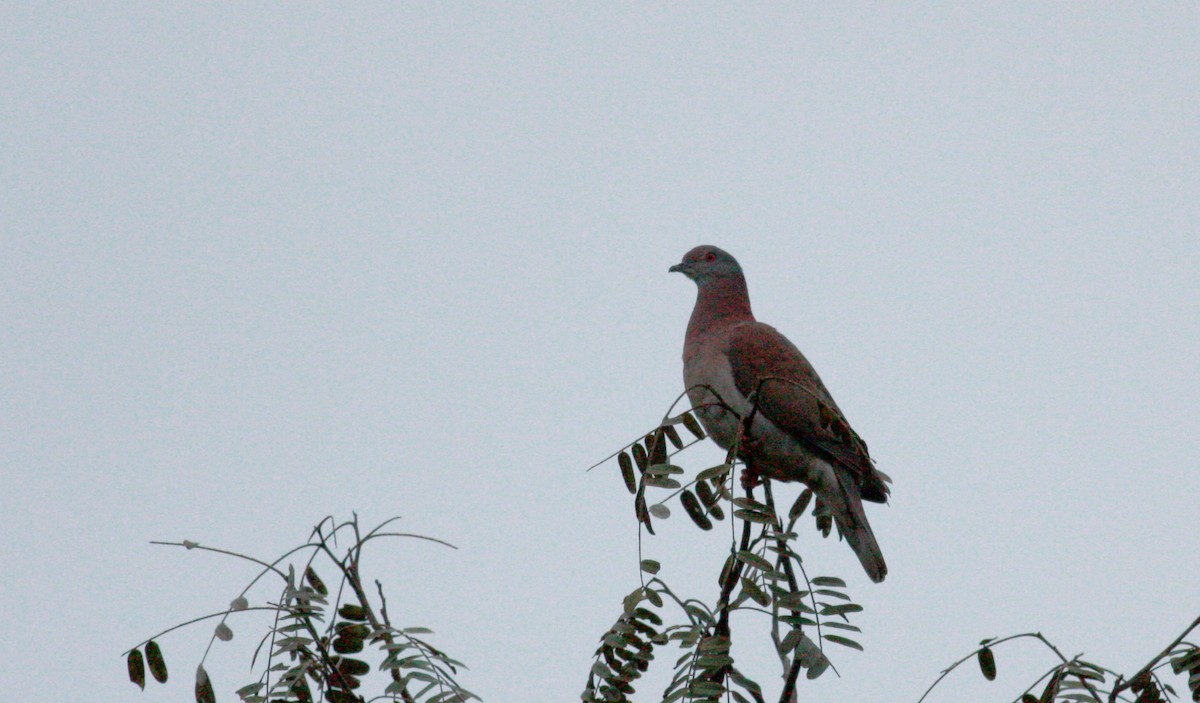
731	362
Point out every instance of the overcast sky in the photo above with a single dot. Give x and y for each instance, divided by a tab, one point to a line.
264	264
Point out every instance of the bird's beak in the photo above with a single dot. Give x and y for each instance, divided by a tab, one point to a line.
678	268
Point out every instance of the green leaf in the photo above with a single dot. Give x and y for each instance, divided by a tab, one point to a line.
1051	690
831	593
639	509
727	571
239	603
754	516
840	626
754	560
691	504
249	690
714	645
348	645
756	594
790	640
715	661
137	668
829	581
158	666
223	632
811	657
353	611
662	482
352	667
672	435
844	609
659	510
639	456
626	465
663	469
801	504
1029	698
693	426
204	687
794	600
1186	662
742	680
301	690
356	631
650	566
705	689
751	504
656	447
630	602
315	581
395	688
1084	670
987	663
720	470
844	641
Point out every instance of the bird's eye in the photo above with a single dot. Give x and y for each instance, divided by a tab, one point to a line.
710	256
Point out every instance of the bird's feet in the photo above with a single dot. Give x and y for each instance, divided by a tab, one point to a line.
750	478
748	445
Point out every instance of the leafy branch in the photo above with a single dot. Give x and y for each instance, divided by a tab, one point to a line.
763	574
1081	681
310	641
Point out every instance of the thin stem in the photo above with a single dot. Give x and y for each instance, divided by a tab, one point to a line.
955	665
193	621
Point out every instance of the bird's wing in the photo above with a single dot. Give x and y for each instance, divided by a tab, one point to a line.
788	392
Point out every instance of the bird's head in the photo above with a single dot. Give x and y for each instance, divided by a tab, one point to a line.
707	263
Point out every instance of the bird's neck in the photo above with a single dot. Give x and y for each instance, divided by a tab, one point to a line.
720	303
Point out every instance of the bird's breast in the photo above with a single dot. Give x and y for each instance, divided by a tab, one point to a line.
709	382
720	406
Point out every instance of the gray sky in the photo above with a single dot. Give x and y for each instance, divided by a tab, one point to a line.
261	265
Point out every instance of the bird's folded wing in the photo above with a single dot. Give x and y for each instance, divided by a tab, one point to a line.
789	393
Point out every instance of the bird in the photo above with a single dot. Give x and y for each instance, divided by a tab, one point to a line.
737	369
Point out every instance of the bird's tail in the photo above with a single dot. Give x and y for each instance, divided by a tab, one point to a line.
847	510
